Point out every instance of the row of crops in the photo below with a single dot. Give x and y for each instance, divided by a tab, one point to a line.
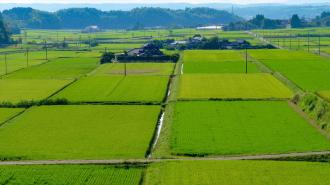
215	103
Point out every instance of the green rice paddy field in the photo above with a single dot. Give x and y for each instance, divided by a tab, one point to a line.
17	61
325	95
7	113
16	90
214	110
134	69
213	61
63	68
238	172
70	174
232	86
116	89
241	127
307	70
79	132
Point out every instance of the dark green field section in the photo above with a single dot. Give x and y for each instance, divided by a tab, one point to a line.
7	113
116	89
79	132
241	128
62	68
213	61
231	86
16	90
70	174
307	70
238	172
134	69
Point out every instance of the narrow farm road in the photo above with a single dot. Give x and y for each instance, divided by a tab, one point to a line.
131	161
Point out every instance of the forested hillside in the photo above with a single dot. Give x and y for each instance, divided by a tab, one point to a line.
77	18
4	37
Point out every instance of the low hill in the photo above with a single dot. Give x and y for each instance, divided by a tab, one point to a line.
78	18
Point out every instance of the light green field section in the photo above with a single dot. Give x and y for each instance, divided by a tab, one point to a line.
16	90
241	127
212	56
17	61
7	113
79	132
64	68
238	172
70	174
232	86
325	95
134	69
117	89
216	61
306	70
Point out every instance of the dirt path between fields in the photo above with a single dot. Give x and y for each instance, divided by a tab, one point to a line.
139	161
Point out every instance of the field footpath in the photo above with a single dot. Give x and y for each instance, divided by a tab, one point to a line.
263	39
151	160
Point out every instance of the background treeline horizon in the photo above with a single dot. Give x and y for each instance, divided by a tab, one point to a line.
11	21
79	18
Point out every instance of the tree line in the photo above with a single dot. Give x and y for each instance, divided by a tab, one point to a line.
79	18
261	22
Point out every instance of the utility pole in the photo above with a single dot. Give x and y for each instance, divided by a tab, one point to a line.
308	41
246	60
290	41
125	68
319	44
46	50
6	67
27	57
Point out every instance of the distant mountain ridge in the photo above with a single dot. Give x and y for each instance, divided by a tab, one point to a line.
273	10
78	18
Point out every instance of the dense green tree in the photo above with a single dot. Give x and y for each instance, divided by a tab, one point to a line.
4	35
296	21
107	57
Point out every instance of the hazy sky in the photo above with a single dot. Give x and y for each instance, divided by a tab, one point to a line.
164	1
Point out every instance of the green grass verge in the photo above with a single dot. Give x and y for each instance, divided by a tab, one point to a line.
238	172
241	127
70	174
79	132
